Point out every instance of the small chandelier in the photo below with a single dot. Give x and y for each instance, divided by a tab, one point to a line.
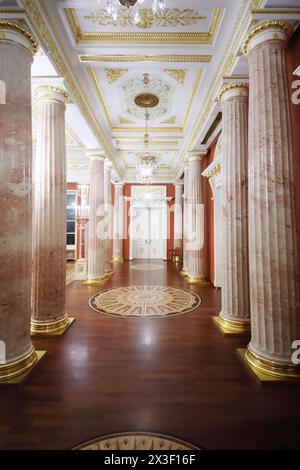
147	165
113	6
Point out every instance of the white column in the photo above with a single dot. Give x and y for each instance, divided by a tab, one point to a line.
184	271
118	229
49	234
178	216
195	221
274	282
234	317
109	217
96	225
82	221
17	355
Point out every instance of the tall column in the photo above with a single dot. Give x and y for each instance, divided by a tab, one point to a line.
195	221
96	228
109	216
178	216
184	271
234	317
118	229
274	294
82	220
17	355
49	229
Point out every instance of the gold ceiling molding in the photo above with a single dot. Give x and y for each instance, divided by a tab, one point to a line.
123	120
277	11
172	120
151	129
194	89
223	70
86	58
128	144
114	74
144	37
169	17
11	11
100	96
64	65
177	74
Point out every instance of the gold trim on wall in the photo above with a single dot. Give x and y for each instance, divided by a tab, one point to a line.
81	37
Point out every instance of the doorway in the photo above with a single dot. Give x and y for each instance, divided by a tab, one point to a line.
148	232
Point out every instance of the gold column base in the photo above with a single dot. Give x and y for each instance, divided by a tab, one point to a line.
16	372
228	327
268	371
118	260
183	273
97	280
197	280
109	273
51	328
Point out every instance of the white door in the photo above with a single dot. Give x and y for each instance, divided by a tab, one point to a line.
148	233
156	233
140	232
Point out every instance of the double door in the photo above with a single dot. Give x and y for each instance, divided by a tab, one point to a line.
148	233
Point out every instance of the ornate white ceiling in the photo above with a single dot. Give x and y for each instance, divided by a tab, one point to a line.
186	52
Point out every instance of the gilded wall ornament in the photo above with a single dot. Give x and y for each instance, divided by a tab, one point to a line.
113	74
169	17
177	74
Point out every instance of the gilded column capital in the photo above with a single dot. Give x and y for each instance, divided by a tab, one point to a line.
231	90
52	93
197	155
280	30
14	33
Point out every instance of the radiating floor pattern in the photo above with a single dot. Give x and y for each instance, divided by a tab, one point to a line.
144	301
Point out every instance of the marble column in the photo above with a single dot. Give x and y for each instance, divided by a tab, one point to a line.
234	317
17	355
274	287
82	221
118	229
109	218
178	216
185	220
195	222
49	219
96	225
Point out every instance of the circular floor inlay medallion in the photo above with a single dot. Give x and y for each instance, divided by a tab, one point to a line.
144	301
147	267
136	441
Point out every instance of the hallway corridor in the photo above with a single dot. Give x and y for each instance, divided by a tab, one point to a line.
177	376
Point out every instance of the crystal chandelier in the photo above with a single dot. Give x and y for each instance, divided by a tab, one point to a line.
147	165
112	7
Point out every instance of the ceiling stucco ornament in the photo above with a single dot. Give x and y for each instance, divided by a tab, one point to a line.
169	17
114	74
177	74
157	87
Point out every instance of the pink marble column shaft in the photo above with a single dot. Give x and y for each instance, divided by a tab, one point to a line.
235	289
109	217
195	222
274	288
185	220
15	202
118	230
178	216
96	228
49	235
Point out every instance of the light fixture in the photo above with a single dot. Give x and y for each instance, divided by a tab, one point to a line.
147	165
112	7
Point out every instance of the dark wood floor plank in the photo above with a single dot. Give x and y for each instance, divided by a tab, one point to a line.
176	376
